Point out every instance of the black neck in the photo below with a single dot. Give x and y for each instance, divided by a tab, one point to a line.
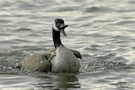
56	38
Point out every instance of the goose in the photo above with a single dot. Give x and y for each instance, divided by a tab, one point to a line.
58	59
65	60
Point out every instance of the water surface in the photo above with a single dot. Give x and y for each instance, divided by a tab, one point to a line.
102	30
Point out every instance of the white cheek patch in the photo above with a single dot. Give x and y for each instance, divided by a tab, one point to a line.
54	27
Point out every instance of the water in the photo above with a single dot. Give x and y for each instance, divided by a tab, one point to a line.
102	30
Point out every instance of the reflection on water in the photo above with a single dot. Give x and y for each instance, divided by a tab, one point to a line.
57	81
40	81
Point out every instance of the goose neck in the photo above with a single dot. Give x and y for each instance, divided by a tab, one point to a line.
56	39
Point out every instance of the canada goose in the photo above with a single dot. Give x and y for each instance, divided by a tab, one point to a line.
65	60
60	59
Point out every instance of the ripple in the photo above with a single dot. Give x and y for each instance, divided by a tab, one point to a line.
98	9
127	22
24	29
105	62
4	21
16	82
122	85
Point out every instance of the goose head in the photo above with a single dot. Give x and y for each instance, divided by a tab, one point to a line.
59	26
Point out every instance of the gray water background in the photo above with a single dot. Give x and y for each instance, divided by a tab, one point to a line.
102	30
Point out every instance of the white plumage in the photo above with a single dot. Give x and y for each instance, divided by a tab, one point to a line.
54	27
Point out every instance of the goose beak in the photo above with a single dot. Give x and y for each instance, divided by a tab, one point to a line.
62	29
